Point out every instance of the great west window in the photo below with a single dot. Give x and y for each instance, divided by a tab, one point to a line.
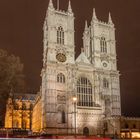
84	92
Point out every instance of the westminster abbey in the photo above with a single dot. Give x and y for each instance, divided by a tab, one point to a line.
77	95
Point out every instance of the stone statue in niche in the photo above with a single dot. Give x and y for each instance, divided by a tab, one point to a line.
61	99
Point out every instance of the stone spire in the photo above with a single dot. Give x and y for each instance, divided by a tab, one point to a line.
82	50
51	5
94	15
86	26
11	93
69	7
110	19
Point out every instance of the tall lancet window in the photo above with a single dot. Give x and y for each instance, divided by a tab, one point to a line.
84	92
61	78
63	117
103	45
60	35
15	124
105	83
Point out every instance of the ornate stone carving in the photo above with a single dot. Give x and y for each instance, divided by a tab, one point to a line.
61	99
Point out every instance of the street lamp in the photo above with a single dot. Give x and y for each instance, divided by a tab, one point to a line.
74	101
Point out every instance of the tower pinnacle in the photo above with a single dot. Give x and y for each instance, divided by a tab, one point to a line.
51	5
69	7
86	26
110	19
57	4
94	15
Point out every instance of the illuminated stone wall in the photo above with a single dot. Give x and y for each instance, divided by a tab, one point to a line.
92	77
19	111
37	116
130	127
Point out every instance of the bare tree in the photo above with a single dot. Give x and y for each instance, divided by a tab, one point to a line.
11	78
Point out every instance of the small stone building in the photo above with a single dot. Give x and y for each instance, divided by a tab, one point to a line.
122	127
19	111
130	127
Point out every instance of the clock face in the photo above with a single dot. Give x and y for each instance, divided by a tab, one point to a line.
105	64
61	57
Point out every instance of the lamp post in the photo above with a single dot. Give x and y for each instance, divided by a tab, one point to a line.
74	101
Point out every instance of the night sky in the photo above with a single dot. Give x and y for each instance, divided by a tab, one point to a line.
21	33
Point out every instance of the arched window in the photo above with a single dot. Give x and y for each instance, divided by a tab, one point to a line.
16	106
107	102
84	92
31	106
23	106
24	124
105	126
103	45
61	78
134	126
105	83
60	35
15	124
63	117
126	125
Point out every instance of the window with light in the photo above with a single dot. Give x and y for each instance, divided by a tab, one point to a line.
84	92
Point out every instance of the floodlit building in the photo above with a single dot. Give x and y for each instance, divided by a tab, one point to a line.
19	111
130	127
77	94
37	115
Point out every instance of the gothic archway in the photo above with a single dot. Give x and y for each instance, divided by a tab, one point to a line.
85	131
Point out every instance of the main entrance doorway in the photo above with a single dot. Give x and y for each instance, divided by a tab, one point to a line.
85	131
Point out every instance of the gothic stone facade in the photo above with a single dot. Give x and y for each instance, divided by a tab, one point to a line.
92	78
19	109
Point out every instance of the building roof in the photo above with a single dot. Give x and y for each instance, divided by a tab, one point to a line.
82	58
21	96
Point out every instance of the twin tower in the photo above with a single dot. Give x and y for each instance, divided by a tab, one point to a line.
78	95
